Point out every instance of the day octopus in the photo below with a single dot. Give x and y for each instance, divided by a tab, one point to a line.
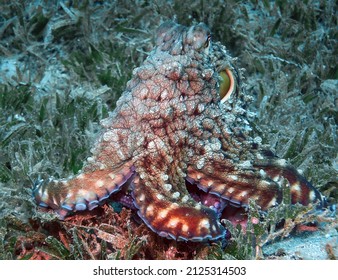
178	147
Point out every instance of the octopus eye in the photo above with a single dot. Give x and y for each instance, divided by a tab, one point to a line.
227	85
207	42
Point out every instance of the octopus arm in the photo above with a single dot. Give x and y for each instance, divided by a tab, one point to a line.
84	191
236	186
262	182
302	191
179	219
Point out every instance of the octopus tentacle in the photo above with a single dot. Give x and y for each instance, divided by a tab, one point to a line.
180	219
84	191
261	183
301	190
237	187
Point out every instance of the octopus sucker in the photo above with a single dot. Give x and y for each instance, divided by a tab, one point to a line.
179	149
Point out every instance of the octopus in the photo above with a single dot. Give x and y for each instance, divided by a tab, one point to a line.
179	147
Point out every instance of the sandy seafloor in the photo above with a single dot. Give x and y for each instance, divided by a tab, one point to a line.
63	66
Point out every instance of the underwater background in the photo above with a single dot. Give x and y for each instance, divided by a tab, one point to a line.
63	65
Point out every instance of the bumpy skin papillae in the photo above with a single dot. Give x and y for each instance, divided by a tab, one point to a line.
169	126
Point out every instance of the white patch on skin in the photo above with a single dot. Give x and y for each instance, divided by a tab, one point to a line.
108	136
165	177
173	222
198	206
296	187
276	178
233	177
102	166
213	227
200	107
176	195
91	159
54	201
64	182
143	92
185	198
151	145
185	227
210	183
69	194
174	206
246	164
167	187
273	202
199	176
216	145
204	223
164	93
141	197
244	194
259	156
121	155
159	196
99	183
44	196
312	195
163	213
112	176
150	210
230	190
262	173
220	188
281	162
200	163
258	140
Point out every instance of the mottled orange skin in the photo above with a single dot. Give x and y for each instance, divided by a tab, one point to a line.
170	127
